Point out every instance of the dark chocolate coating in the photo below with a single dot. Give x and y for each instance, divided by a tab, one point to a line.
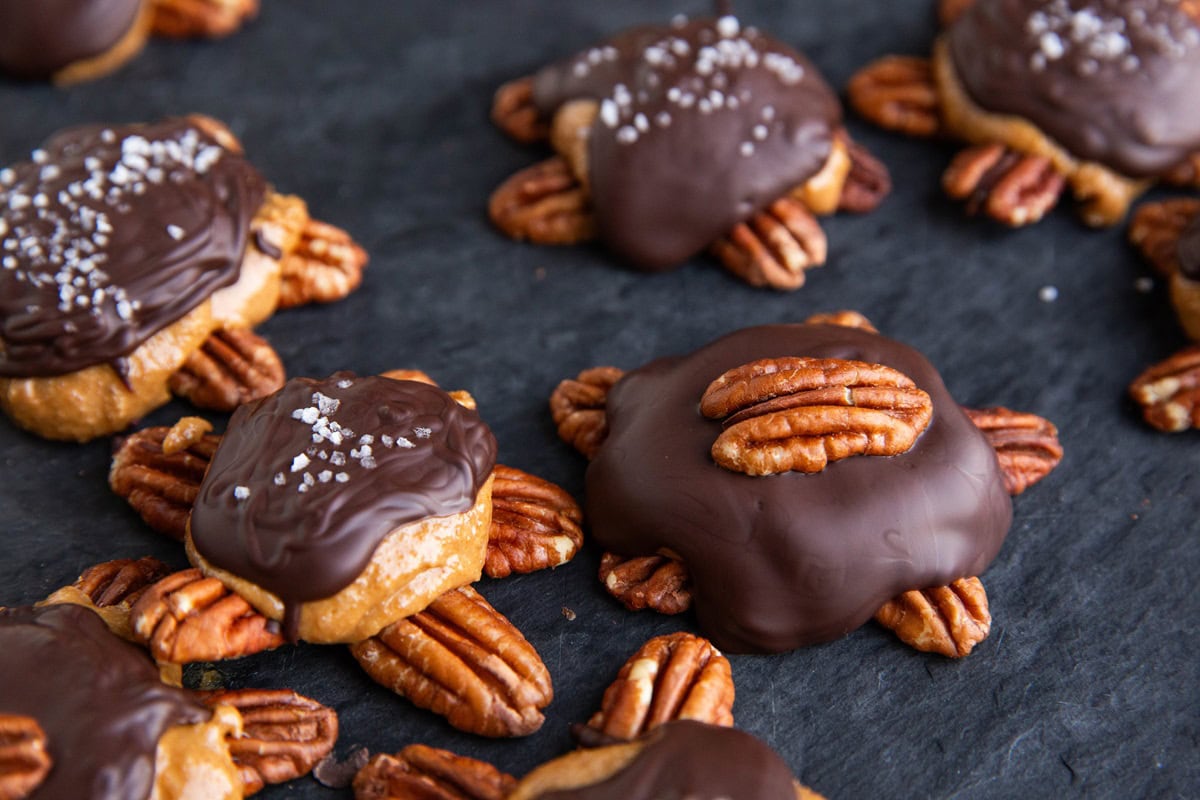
693	760
40	37
1189	250
109	234
701	124
308	524
98	699
792	559
1112	81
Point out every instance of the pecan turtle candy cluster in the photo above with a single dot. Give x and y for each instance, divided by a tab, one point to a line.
1095	95
673	139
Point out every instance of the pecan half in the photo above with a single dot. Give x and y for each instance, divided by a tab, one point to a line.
160	487
284	734
1012	188
1155	230
535	524
326	265
24	761
232	367
543	204
950	10
847	319
801	413
408	375
867	182
420	772
577	406
1026	445
949	620
187	19
462	659
514	113
1187	172
187	617
1169	392
774	247
897	93
678	676
120	582
658	582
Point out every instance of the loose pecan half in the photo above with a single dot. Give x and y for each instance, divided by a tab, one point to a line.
514	113
847	319
949	620
950	10
800	413
1187	172
1012	188
897	93
535	524
1026	445
24	761
1155	230
774	247
544	204
1169	392
187	19
186	617
284	734
658	582
462	659
232	367
326	265
161	487
577	406
677	676
420	772
867	183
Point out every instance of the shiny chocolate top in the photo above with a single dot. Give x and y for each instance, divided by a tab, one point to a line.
308	481
98	699
1189	250
1112	81
692	760
701	124
791	559
40	37
109	234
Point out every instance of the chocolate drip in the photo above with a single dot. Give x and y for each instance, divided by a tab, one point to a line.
98	698
693	760
701	124
40	37
308	481
1189	250
1112	81
788	560
109	234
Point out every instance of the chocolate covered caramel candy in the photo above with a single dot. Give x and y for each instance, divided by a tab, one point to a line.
40	38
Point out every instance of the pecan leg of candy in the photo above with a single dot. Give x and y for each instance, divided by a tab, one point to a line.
132	259
631	117
186	19
1050	95
428	772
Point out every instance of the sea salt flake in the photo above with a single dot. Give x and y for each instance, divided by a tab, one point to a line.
240	492
299	462
341	477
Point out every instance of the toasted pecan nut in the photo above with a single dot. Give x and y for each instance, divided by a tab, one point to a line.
408	375
187	617
950	10
120	582
949	620
232	367
867	183
326	265
284	734
577	406
535	524
24	761
1186	173
1010	187
543	204
1169	392
420	772
897	93
462	659
844	318
160	487
1155	230
514	113
658	582
774	247
677	676
800	413
187	19
1026	445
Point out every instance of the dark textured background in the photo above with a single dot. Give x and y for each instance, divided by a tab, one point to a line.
376	112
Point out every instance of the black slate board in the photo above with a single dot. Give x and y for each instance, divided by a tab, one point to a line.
376	112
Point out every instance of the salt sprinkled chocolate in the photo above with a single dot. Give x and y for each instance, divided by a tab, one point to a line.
40	37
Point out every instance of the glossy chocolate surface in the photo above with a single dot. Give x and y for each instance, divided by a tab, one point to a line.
1189	250
98	699
701	124
40	37
1113	81
308	481
109	234
791	559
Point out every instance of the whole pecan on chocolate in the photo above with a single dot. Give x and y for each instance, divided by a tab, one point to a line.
800	413
428	773
326	265
544	204
1026	445
1155	230
284	734
897	93
535	524
1169	392
24	760
1010	187
658	582
775	246
949	620
577	407
514	113
462	659
232	367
